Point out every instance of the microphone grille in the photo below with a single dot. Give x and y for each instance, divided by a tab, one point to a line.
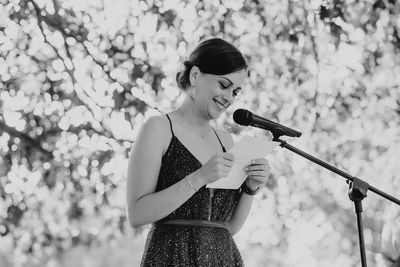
242	117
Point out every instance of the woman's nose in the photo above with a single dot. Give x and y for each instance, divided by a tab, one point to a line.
228	96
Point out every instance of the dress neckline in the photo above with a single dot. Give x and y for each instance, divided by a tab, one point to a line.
187	149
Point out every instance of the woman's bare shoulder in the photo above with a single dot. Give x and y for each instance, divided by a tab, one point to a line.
157	129
156	121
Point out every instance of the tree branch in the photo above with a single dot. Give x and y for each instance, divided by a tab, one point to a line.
108	73
13	132
89	103
317	61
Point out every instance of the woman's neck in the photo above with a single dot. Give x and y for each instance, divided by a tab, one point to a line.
191	117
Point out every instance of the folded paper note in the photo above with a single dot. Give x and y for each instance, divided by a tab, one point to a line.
244	151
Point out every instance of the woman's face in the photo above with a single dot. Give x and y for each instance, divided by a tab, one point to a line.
213	94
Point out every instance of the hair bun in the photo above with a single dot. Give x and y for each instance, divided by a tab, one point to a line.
182	77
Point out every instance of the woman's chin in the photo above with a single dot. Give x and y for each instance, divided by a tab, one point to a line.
214	114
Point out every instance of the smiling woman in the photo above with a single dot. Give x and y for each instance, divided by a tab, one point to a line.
177	154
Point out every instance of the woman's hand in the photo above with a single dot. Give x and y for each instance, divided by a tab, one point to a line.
215	168
257	172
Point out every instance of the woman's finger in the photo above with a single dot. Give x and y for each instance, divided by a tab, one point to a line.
259	161
258	173
257	168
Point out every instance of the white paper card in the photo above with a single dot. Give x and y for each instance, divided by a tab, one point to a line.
244	151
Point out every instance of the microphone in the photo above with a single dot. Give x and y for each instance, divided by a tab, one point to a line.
246	118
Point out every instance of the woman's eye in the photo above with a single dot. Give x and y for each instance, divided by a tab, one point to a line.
223	86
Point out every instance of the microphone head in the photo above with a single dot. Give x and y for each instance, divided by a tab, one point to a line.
242	117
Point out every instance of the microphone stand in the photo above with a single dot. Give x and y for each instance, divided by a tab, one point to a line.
357	189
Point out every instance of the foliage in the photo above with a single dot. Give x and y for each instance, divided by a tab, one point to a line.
79	77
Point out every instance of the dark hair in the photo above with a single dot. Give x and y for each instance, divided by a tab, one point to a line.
212	56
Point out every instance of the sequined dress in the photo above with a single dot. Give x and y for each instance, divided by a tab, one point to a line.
179	245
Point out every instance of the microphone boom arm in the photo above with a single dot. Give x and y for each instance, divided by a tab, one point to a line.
284	144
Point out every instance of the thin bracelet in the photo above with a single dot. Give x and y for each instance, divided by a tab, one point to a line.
191	185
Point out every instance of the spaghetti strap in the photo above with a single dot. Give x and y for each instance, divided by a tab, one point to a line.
170	125
223	148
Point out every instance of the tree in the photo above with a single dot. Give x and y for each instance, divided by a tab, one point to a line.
78	79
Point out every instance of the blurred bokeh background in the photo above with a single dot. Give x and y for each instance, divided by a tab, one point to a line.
78	77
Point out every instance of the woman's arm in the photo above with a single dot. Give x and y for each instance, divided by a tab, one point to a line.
241	213
143	205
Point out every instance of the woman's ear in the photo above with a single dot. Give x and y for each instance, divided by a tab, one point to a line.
194	75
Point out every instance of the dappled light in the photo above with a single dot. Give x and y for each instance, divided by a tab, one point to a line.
78	79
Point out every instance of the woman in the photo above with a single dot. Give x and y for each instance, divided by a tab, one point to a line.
176	155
